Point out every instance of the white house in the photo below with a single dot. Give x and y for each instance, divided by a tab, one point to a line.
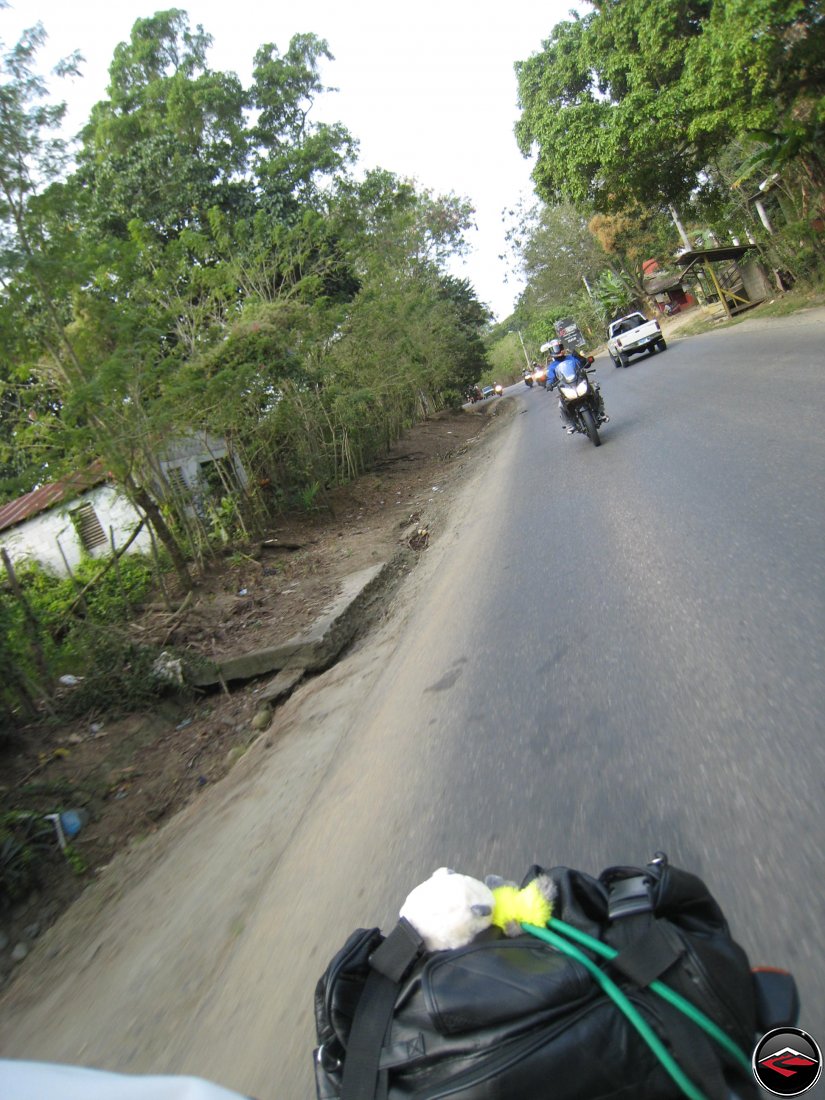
57	524
85	514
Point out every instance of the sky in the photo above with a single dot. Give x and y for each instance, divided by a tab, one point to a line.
427	88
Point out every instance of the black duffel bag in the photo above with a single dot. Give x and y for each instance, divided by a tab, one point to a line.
520	1019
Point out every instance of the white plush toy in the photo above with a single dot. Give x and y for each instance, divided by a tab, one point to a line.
449	909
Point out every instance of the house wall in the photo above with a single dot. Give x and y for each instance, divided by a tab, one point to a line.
190	457
190	453
37	538
756	283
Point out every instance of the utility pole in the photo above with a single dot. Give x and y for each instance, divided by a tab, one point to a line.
681	229
523	348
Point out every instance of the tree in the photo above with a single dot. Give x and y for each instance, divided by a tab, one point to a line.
630	239
191	195
385	215
630	103
31	156
557	251
291	154
214	268
758	71
599	105
472	318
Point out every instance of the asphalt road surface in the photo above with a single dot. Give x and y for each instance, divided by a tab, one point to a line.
610	651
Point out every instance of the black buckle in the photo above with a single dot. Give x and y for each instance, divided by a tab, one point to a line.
629	896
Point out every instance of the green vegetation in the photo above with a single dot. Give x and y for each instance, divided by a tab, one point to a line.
640	112
205	261
26	841
75	627
208	259
208	262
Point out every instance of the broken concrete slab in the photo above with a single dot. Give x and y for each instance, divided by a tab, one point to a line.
283	684
315	648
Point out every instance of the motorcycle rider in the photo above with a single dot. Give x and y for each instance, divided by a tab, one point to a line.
557	352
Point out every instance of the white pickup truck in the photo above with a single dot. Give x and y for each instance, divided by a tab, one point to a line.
632	335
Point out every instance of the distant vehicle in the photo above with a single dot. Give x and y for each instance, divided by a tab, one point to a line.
632	335
540	376
488	391
498	389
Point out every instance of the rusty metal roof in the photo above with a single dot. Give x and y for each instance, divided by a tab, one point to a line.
40	500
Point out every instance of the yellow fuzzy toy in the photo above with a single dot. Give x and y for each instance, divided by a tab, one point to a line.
513	907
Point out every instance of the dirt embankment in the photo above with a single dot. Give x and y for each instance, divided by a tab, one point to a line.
131	774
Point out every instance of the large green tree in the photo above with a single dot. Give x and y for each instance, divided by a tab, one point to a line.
32	155
630	102
215	267
132	265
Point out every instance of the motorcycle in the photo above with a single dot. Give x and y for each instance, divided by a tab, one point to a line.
580	396
528	379
540	376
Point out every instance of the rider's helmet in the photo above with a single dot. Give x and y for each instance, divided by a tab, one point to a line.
556	349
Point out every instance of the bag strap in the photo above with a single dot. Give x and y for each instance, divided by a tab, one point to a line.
389	964
710	1027
649	956
621	1001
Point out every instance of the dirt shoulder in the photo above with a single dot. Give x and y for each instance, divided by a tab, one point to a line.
131	774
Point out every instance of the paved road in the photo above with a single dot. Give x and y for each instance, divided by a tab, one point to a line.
621	650
611	651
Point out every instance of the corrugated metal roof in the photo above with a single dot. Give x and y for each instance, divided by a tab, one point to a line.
721	252
39	500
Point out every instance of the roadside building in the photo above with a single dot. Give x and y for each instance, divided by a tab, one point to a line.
86	514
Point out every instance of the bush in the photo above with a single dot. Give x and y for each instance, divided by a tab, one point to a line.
76	637
26	841
118	674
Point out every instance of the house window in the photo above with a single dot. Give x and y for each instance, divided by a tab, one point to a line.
88	527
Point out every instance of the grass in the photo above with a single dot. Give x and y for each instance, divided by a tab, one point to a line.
792	302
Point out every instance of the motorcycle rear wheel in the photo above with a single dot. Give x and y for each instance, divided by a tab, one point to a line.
590	427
